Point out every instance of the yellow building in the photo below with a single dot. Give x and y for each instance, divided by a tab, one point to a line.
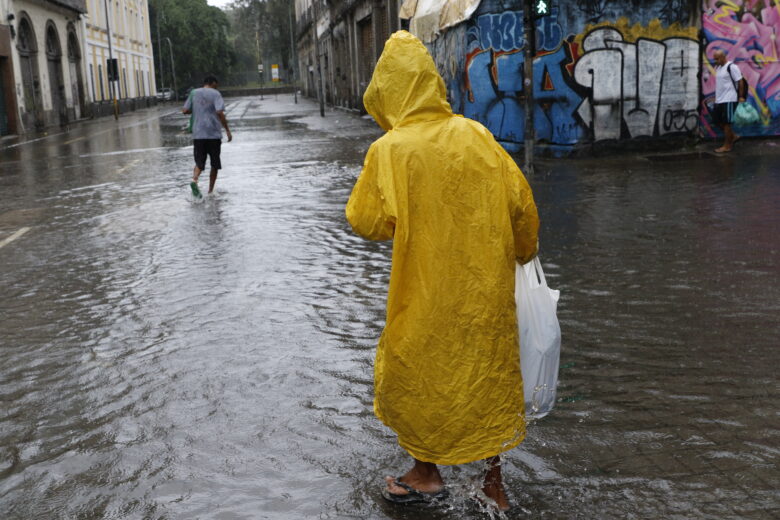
131	47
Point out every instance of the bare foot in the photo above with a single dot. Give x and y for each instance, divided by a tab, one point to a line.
493	487
423	477
497	493
722	149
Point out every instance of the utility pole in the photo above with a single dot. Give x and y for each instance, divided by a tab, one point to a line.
173	70
528	85
260	65
110	69
320	91
293	53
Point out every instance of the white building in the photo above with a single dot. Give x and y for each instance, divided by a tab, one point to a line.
131	46
54	56
41	71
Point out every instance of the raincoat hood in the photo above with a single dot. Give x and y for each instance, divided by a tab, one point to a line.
405	87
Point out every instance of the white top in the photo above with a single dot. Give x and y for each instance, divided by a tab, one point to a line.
724	85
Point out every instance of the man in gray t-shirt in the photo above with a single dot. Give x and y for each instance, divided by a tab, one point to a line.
208	118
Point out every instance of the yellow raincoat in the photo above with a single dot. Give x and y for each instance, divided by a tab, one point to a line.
447	373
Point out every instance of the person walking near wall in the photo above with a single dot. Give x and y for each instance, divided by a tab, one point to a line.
208	118
729	91
460	213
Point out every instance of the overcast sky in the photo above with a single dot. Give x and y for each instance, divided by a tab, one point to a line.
219	3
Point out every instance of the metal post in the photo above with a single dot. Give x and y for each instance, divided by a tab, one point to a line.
259	58
293	53
528	86
173	70
320	91
111	86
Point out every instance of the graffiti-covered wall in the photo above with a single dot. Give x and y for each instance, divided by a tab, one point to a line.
610	69
747	31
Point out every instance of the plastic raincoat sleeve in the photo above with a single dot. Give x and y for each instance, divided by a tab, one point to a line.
525	219
367	210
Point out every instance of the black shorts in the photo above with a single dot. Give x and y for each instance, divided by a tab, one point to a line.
723	113
210	147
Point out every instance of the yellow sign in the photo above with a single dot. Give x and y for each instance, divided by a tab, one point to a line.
275	72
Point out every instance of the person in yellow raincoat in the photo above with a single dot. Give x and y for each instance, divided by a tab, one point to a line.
460	213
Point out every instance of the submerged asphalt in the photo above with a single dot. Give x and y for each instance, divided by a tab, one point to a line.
164	357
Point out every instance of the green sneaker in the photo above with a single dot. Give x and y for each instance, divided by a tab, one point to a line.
195	191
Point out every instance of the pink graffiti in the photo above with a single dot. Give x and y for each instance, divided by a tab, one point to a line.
746	30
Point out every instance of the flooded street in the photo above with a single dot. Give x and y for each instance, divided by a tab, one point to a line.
165	358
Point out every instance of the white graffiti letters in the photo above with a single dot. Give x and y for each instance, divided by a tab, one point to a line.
650	86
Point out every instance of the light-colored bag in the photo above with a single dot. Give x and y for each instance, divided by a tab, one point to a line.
540	338
745	114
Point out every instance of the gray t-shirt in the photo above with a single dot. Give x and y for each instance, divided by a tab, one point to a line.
205	103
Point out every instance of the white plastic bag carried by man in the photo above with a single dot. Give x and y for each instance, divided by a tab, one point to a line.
540	338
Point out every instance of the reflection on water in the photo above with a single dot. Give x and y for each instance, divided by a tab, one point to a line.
166	359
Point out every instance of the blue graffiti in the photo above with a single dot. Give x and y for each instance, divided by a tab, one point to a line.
500	32
496	89
549	33
504	32
554	118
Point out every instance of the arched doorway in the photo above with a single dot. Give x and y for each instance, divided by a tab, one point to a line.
27	46
59	106
74	67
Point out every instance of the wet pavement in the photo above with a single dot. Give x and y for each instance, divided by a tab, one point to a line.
166	358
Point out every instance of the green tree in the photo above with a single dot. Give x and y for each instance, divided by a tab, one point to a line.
243	39
199	38
265	24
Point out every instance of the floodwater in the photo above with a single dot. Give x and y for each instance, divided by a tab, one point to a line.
163	358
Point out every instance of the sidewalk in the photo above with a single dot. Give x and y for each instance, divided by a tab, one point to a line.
671	149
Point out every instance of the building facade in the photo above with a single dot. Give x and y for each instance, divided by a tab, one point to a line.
41	74
351	36
54	61
621	71
131	46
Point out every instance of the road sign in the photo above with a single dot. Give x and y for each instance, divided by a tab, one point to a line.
274	72
541	8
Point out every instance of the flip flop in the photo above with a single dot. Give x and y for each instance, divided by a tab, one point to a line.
413	496
195	190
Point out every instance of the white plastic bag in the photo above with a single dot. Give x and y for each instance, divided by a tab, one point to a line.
540	338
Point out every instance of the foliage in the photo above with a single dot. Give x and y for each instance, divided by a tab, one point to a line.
199	37
261	29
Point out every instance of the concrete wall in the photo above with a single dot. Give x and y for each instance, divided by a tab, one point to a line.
106	108
609	69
